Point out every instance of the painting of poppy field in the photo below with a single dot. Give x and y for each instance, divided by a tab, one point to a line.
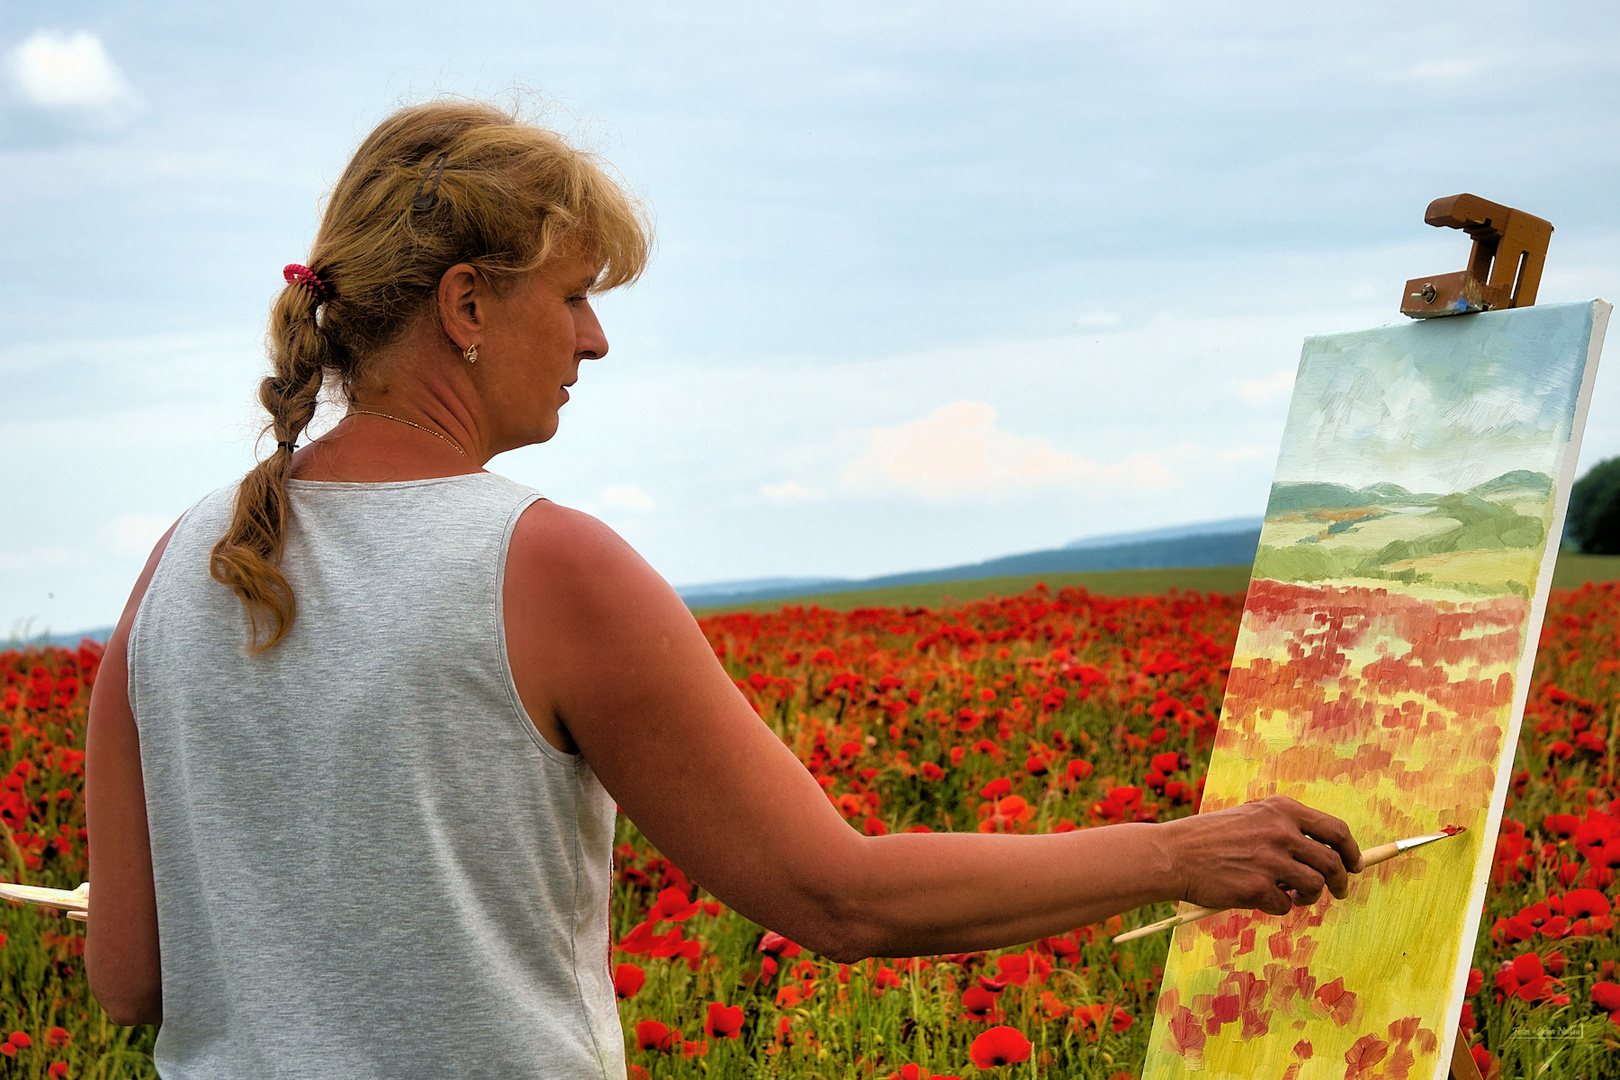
1381	660
1039	712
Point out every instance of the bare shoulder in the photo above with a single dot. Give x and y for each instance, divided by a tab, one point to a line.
593	634
569	561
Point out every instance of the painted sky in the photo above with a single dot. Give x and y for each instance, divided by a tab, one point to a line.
935	281
1438	406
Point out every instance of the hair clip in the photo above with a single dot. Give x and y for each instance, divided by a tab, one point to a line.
428	199
296	274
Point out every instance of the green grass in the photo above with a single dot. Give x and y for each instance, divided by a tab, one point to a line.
1573	570
1576	570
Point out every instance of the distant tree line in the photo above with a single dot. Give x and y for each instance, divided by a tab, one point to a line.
1593	524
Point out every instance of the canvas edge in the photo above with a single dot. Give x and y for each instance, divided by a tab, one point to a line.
1597	324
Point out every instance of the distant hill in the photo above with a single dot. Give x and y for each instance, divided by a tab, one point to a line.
1223	527
100	633
1217	543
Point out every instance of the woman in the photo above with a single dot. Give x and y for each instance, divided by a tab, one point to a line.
358	738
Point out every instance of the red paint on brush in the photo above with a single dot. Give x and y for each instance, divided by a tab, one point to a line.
1453	830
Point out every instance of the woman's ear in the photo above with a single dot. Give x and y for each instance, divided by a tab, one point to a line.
463	295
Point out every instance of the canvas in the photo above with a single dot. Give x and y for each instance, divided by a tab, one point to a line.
1381	671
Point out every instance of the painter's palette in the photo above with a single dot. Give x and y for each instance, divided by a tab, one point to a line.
1381	672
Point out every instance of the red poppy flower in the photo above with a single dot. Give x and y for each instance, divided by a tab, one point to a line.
1606	996
1000	1046
57	1071
1169	764
673	905
979	1003
57	1037
20	1040
653	1035
724	1022
1579	903
1562	826
777	945
628	979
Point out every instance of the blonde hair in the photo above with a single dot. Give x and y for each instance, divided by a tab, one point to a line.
434	185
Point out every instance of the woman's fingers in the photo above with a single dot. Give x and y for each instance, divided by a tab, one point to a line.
1272	855
1335	834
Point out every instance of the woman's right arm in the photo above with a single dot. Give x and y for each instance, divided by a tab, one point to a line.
603	648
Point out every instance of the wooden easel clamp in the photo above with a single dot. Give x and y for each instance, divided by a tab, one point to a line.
1504	267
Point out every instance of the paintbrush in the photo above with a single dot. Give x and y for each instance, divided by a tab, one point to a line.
1370	857
76	902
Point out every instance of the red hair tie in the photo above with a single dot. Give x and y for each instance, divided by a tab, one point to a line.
296	274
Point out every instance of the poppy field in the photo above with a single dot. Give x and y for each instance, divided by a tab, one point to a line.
1039	712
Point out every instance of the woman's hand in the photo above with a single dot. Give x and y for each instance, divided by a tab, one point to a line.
1272	854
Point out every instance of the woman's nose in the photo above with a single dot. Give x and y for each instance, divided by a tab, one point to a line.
590	342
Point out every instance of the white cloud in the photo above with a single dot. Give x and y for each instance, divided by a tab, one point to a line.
1454	69
68	71
789	491
38	558
627	498
135	535
1263	390
959	451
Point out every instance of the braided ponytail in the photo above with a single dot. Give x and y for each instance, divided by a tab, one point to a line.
246	558
509	196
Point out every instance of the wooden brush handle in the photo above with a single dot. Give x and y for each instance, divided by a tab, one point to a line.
1370	857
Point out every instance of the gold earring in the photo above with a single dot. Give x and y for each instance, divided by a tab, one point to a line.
471	354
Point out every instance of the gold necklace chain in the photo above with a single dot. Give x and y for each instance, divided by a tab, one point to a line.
412	423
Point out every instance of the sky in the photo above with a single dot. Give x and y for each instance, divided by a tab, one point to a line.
1443	405
934	282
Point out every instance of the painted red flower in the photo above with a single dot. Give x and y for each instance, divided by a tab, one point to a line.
57	1037
20	1040
1332	999
1000	1046
57	1071
1186	1037
1363	1054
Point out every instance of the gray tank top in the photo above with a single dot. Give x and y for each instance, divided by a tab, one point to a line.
368	861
